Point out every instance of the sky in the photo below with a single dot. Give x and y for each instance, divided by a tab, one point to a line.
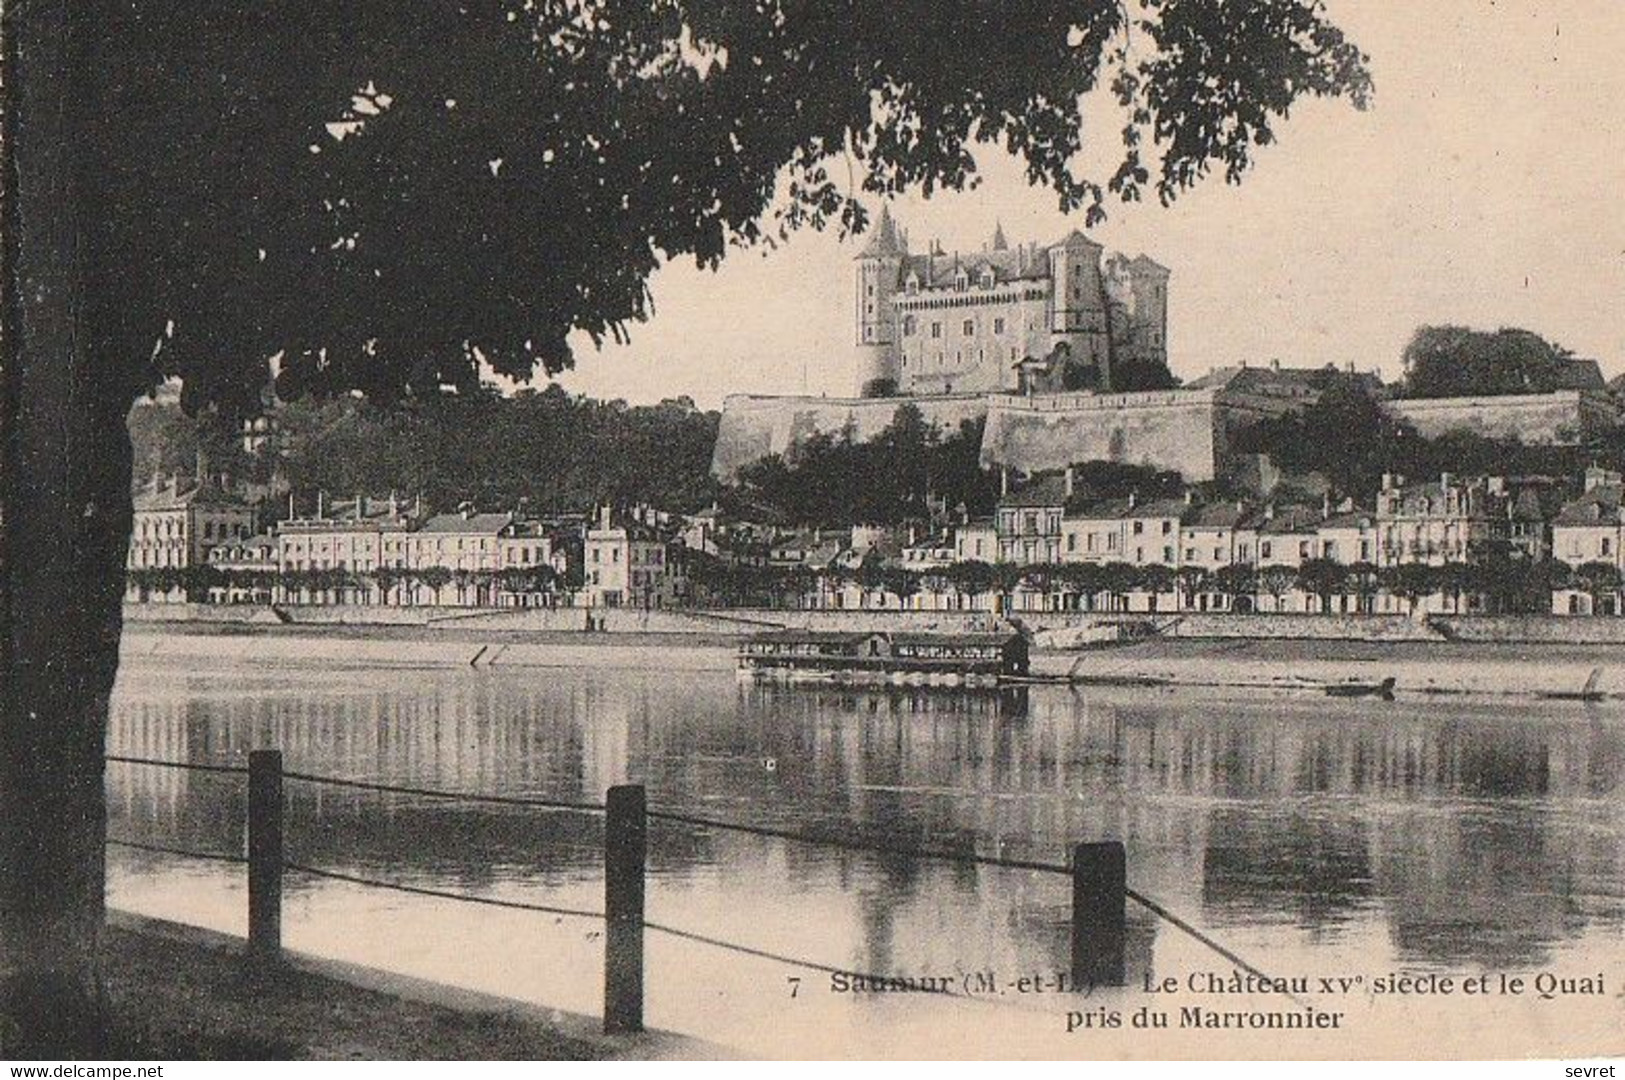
1484	187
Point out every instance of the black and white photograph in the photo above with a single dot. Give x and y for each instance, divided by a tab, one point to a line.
877	530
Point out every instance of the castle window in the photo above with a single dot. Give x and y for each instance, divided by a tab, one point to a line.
936	329
909	325
998	326
969	327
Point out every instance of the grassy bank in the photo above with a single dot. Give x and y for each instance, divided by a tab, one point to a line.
181	993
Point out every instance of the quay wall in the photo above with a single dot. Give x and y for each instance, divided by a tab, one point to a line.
1534	629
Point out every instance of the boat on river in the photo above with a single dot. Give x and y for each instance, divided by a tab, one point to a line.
1359	689
923	658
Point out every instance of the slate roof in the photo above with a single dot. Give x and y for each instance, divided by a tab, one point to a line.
1599	506
481	524
167	497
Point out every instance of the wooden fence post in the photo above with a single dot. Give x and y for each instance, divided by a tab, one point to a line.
1099	912
265	854
625	845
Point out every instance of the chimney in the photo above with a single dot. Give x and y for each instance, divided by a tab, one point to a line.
1190	496
291	512
1444	481
1133	497
1269	511
1326	506
359	511
1070	479
1004	481
200	469
417	506
321	504
394	505
1387	481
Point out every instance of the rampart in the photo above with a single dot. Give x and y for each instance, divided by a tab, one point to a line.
1172	429
1559	418
754	426
1190	430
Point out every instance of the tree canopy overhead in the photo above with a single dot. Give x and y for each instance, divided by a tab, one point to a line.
384	195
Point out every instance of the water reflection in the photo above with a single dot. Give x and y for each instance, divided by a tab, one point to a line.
1440	834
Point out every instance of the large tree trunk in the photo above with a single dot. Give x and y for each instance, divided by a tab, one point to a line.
64	525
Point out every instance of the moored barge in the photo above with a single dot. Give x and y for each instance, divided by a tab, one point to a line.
917	658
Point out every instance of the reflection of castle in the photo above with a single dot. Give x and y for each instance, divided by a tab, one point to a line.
1024	318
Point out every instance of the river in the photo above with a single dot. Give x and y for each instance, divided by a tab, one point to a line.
1304	833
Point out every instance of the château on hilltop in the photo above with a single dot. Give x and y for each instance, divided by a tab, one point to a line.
1022	319
1061	353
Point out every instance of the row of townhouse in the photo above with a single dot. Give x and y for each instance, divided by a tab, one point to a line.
1448	520
380	551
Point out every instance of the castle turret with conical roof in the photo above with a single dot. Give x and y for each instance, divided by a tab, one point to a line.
879	267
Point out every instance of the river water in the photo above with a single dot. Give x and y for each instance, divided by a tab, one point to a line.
1306	834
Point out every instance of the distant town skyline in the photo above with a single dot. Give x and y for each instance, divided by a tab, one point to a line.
1481	189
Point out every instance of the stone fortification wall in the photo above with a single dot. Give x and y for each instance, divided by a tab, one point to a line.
1172	429
754	426
1558	418
1190	430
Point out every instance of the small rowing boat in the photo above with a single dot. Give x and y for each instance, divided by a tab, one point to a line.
1383	689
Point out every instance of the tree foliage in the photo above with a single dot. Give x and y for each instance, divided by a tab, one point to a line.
544	450
899	475
385	197
1456	361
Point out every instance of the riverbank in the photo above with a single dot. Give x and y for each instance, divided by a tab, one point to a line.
1307	665
179	992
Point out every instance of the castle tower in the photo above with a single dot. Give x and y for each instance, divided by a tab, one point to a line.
878	268
1149	282
1078	303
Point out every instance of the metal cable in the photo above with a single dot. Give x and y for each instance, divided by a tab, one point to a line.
418	890
662	815
235	770
1157	909
859	845
160	849
458	796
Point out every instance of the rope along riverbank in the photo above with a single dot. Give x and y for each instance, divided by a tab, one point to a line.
666	816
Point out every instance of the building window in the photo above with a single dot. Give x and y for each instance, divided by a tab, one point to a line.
1167	527
998	326
909	325
1264	550
969	327
936	330
1139	527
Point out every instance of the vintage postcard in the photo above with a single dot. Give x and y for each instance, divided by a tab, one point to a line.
649	529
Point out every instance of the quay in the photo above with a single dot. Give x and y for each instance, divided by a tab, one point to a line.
1547	670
